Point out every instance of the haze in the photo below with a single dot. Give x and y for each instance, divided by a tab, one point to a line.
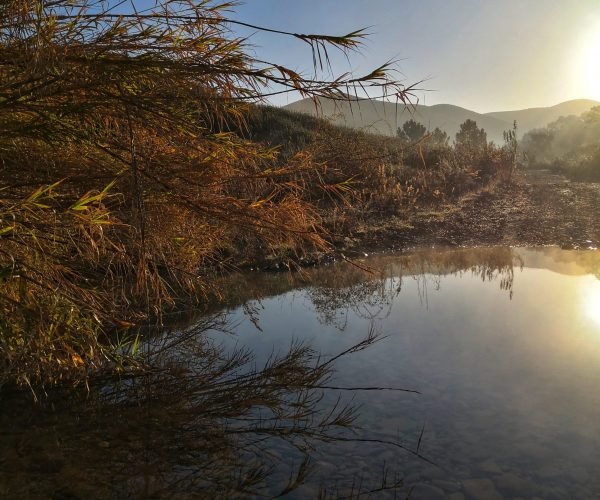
484	56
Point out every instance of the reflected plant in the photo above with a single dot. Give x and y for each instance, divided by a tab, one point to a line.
357	290
369	292
196	420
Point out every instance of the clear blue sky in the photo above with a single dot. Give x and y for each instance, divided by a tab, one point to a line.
485	55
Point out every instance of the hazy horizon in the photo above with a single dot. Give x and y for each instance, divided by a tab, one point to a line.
299	98
481	56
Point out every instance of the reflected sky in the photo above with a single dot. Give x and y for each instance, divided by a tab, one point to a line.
503	344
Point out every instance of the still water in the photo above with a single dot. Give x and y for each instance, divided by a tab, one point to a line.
501	346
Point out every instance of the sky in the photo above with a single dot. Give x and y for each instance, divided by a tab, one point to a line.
479	54
484	55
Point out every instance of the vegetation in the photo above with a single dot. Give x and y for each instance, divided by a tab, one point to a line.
570	145
439	137
368	176
511	146
132	171
411	131
123	183
470	136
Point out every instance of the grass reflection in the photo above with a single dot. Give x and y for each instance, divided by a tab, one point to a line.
195	421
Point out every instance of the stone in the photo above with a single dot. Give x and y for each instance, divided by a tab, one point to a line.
481	489
558	493
447	486
456	496
490	467
422	491
515	486
45	464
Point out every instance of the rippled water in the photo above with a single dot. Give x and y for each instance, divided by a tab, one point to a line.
502	345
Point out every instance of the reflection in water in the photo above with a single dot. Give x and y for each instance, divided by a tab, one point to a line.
200	421
496	341
499	343
592	301
369	291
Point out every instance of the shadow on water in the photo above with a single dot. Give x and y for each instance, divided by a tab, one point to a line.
200	421
212	419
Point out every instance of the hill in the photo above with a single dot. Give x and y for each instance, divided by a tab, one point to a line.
531	118
385	117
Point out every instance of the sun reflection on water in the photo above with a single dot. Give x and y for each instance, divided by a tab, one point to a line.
592	302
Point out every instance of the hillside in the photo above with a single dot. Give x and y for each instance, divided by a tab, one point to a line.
531	118
386	117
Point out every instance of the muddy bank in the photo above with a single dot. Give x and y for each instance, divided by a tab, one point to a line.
537	209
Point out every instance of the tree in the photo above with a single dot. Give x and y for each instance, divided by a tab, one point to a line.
400	134
593	115
124	177
470	136
510	139
439	137
412	130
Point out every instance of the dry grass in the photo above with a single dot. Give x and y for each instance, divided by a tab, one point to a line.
130	171
123	179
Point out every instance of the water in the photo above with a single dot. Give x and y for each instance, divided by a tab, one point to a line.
502	345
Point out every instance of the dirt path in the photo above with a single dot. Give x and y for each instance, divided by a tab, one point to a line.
538	209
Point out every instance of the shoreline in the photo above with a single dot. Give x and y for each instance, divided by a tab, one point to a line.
535	210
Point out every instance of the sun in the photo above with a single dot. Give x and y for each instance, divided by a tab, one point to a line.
589	66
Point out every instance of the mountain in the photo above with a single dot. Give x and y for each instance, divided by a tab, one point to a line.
528	119
385	117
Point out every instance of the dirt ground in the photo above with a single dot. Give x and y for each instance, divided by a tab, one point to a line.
539	208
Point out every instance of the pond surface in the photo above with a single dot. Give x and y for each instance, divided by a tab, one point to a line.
502	345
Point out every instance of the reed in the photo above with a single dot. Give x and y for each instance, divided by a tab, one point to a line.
124	181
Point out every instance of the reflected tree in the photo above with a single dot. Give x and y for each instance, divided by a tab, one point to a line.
369	293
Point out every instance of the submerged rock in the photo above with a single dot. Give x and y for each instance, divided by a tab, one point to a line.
514	485
481	489
422	491
490	467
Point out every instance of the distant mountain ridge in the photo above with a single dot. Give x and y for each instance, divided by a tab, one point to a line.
385	117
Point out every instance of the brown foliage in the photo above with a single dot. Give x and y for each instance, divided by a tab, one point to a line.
133	113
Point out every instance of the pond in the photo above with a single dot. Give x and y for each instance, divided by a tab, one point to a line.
465	373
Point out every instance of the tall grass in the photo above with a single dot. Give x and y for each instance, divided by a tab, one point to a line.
369	177
124	179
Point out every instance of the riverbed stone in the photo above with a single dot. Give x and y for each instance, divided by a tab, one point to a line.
481	489
513	485
423	491
447	486
490	467
456	496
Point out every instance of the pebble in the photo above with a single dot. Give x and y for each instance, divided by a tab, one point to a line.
481	489
447	486
490	467
514	485
422	491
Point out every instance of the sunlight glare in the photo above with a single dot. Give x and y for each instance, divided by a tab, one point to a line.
589	70
592	302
